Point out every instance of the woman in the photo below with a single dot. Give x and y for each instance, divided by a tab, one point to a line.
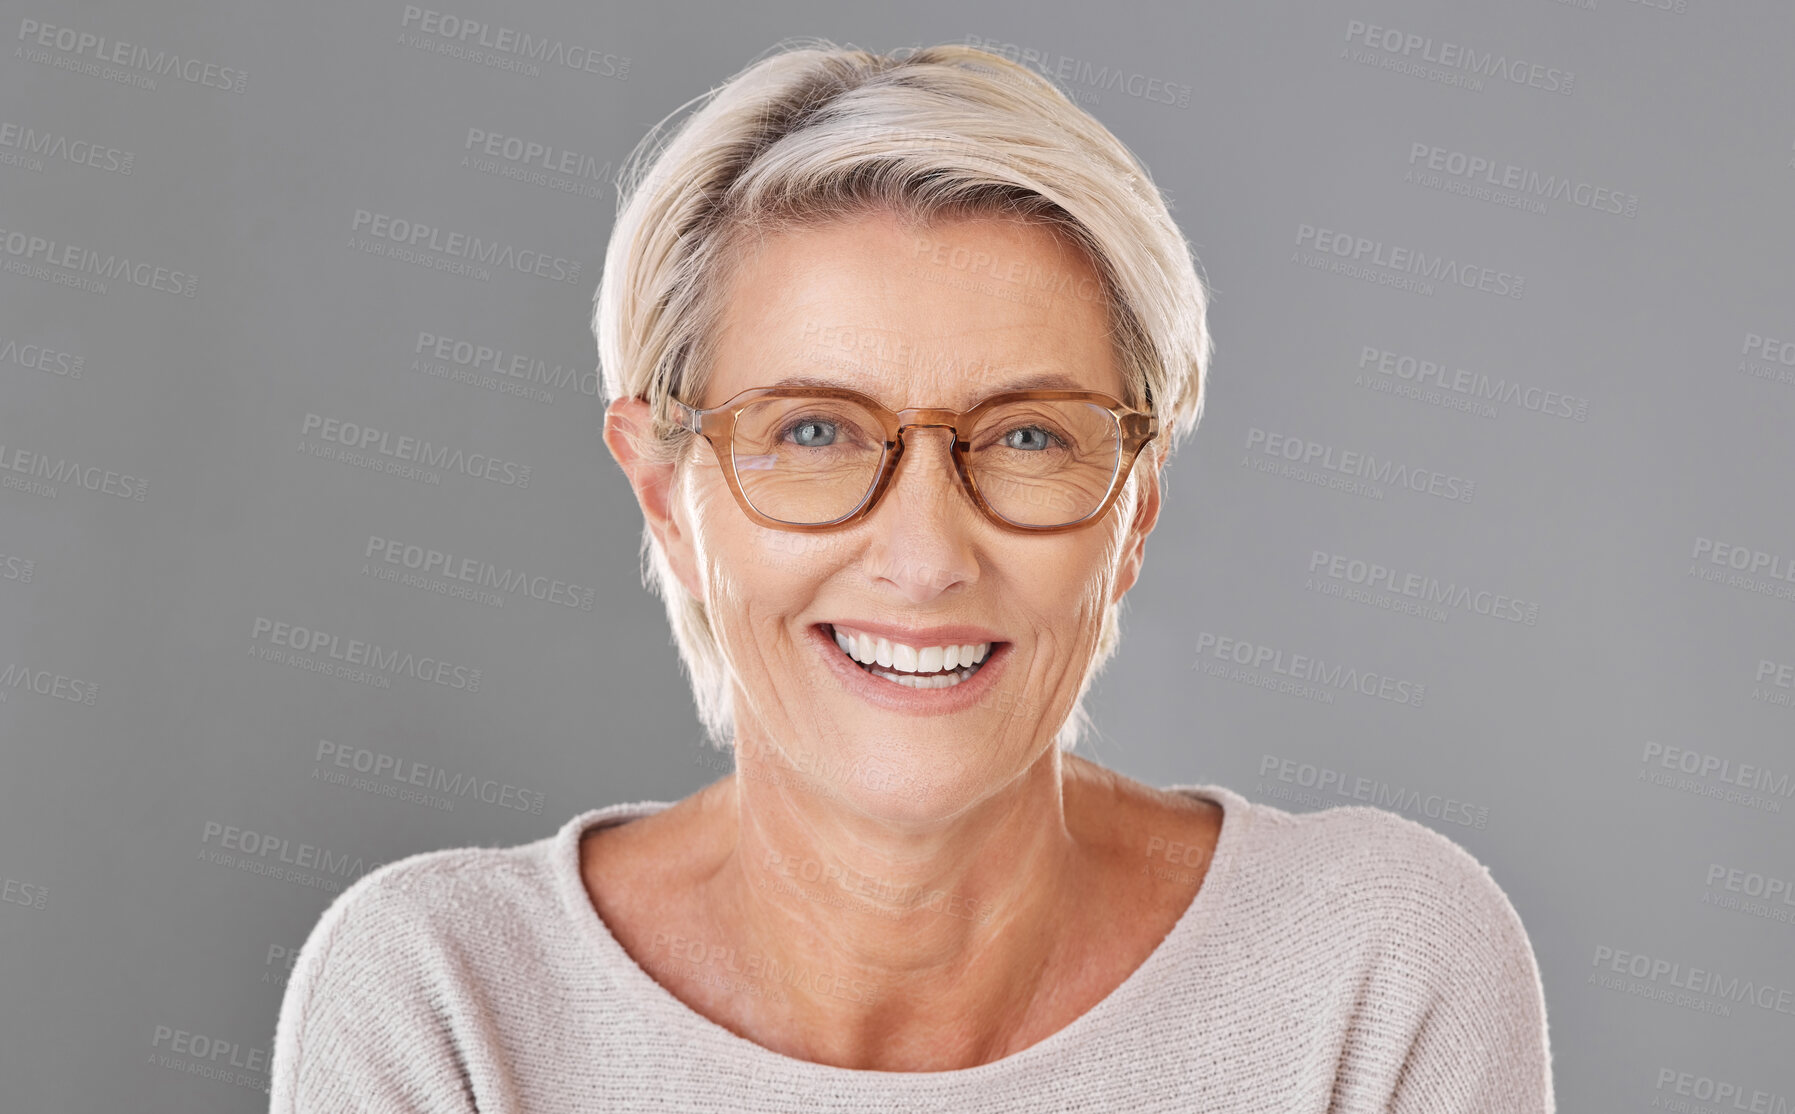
897	348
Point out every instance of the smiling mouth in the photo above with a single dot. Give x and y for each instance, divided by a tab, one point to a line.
882	659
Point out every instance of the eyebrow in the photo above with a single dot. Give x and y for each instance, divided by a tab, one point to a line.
1039	381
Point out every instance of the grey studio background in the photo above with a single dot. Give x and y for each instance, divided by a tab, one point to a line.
1488	521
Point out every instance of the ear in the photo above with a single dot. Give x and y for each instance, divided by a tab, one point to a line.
1146	516
628	420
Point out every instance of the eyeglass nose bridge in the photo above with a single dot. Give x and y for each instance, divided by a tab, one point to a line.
924	417
928	417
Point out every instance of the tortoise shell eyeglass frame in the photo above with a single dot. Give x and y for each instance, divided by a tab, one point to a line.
716	425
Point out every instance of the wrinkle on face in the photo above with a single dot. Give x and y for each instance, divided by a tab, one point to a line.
926	555
977	805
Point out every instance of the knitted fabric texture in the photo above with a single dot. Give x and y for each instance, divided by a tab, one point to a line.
1340	961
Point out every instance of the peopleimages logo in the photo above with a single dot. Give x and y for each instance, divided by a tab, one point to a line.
27	254
1766	896
1334	787
1062	67
42	358
15	567
505	47
510	372
14	892
1406	49
45	682
1013	271
1297	457
36	472
1774	683
1769	348
290	644
303	864
537	164
211	1057
360	439
1303	670
390	775
1486	179
1724	1094
1715	776
28	147
1751	883
1417	586
1350	254
1470	387
427	562
457	252
1768	358
1697	980
244	841
1747	566
126	56
1714	766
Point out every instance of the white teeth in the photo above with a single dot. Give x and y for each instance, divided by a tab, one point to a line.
901	659
941	681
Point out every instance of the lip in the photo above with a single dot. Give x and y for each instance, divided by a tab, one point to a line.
920	637
901	698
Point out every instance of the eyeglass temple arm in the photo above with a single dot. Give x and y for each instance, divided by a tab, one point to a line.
685	417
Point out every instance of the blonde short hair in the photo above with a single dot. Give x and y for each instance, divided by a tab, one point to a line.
815	132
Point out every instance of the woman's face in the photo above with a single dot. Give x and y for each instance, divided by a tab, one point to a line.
941	317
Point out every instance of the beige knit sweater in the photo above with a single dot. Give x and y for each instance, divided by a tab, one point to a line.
1336	961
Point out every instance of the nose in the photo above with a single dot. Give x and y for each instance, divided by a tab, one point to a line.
923	526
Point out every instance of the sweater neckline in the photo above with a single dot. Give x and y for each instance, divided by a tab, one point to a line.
1186	932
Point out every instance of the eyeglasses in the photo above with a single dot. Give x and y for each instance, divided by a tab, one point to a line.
812	458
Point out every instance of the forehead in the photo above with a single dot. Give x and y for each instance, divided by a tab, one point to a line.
941	314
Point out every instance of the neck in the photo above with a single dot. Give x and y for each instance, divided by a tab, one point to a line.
884	919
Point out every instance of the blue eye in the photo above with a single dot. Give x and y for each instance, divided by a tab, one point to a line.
1042	438
806	431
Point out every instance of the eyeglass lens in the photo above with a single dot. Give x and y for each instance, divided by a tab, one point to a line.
809	461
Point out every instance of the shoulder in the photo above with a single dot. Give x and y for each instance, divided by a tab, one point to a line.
454	890
1401	881
1412	923
401	929
1360	847
378	990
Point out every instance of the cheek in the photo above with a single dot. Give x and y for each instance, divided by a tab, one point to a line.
1096	577
1083	572
747	617
755	578
718	530
706	497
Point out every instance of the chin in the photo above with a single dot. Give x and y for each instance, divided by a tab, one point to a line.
883	773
